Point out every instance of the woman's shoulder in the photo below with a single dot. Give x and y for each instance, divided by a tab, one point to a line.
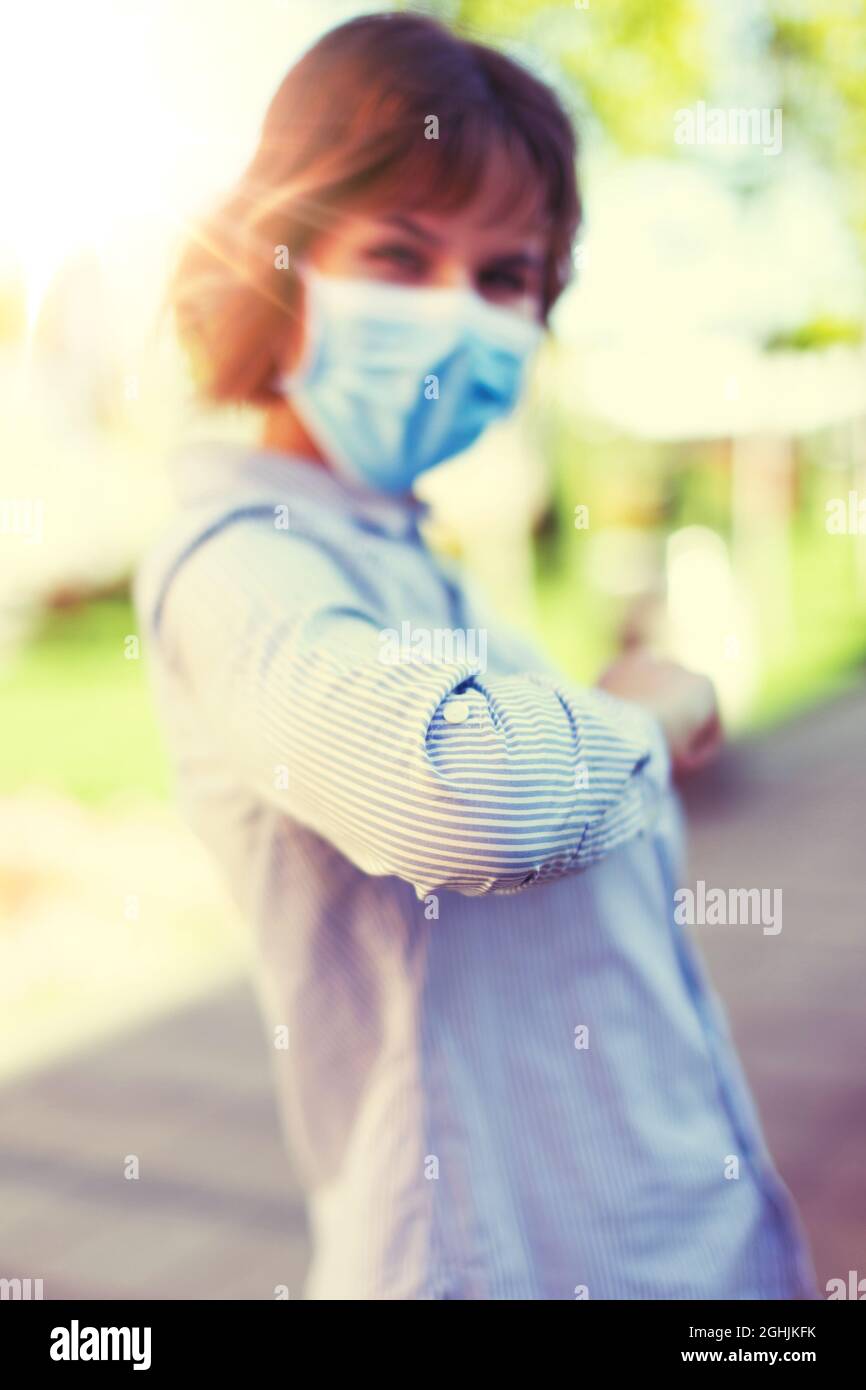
254	537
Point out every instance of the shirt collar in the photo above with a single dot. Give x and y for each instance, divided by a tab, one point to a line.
207	472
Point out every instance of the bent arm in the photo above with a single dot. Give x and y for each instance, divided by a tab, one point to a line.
436	773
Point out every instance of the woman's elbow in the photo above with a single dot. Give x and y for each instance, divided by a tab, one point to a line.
463	857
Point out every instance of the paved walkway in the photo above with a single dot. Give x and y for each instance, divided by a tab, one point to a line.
215	1214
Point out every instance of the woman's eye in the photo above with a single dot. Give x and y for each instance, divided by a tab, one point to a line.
512	281
402	257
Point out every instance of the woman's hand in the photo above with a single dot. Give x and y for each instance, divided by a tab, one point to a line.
683	702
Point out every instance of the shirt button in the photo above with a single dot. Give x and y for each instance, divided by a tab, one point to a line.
456	712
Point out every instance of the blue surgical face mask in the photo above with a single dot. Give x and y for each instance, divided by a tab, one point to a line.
395	379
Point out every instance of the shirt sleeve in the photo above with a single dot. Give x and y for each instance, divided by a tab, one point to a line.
430	770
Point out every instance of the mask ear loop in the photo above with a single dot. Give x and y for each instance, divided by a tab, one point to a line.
311	330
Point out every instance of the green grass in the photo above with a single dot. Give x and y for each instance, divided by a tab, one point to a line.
829	627
77	716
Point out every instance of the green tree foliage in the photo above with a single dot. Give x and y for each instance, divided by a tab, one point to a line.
819	50
628	65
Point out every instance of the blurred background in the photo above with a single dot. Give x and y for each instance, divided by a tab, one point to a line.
690	471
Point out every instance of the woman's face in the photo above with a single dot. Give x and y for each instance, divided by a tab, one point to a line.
500	257
495	247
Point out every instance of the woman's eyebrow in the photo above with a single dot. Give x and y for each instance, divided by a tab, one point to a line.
408	224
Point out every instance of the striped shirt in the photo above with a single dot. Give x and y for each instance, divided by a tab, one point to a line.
506	1075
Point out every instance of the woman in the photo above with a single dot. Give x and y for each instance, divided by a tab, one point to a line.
505	1076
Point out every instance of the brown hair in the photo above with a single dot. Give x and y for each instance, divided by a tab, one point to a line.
346	129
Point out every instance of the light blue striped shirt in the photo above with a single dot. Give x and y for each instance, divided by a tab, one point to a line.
506	1076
